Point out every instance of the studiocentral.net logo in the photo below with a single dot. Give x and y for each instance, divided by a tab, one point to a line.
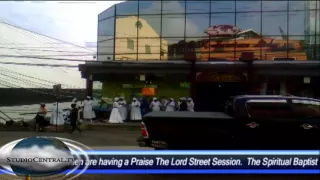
41	160
45	157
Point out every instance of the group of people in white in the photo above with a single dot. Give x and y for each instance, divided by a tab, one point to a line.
58	116
119	110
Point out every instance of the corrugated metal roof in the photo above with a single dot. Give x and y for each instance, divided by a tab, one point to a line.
19	45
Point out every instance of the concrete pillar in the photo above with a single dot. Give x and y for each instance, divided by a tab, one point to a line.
283	89
263	88
89	86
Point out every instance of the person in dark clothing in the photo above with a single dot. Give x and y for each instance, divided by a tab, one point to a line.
183	105
144	106
74	118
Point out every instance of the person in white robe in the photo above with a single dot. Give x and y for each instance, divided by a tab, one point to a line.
135	114
171	105
178	104
57	117
190	105
115	116
155	104
123	108
88	113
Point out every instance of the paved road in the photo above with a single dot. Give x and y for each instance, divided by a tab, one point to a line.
127	140
112	137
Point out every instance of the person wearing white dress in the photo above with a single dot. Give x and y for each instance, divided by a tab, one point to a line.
170	106
57	115
190	105
135	114
88	113
155	104
115	116
123	108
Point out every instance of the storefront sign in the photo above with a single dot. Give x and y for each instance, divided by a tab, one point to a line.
148	91
218	77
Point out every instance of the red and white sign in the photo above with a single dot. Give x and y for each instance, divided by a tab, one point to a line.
222	30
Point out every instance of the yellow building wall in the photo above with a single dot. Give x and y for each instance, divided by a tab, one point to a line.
126	29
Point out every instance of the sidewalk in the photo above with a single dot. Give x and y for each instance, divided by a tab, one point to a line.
111	137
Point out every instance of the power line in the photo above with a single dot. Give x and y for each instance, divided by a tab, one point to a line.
39	79
45	65
28	82
43	58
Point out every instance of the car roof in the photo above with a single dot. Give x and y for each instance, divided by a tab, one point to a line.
276	97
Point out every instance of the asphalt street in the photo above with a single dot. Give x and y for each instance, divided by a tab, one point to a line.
113	139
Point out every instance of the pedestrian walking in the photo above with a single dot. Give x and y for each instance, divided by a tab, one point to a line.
40	118
74	118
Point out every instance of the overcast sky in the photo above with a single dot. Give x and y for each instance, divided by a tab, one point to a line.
70	21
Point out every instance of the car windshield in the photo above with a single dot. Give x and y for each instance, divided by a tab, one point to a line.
306	108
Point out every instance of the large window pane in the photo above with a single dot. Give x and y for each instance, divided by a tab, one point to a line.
248	6
273	48
127	27
127	8
312	5
274	5
126	49
216	44
106	29
176	48
196	25
173	25
176	7
296	22
150	26
245	44
297	5
149	49
198	6
222	19
297	48
274	23
107	13
199	46
249	21
149	7
105	50
223	6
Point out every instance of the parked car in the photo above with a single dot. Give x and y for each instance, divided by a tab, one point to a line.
250	122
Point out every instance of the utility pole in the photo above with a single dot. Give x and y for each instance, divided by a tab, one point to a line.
57	90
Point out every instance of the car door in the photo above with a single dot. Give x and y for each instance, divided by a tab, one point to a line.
270	124
307	114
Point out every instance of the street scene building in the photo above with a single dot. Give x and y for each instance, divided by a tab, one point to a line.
208	50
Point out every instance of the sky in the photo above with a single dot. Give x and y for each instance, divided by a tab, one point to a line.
74	22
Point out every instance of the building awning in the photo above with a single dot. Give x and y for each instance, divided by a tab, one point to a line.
303	68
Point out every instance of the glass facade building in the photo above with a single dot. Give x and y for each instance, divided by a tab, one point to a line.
214	30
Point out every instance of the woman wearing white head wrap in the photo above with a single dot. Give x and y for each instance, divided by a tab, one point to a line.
155	104
135	114
115	116
88	113
190	105
123	108
170	106
57	115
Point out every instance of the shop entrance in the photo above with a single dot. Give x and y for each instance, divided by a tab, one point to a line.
212	96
